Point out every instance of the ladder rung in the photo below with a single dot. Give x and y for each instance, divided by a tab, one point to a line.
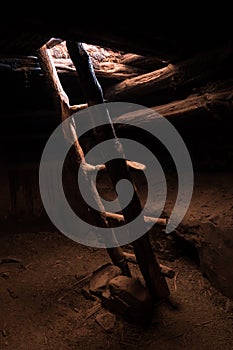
148	219
132	166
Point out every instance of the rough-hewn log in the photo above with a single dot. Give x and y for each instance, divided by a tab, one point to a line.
193	105
176	111
112	71
109	70
117	71
174	80
208	115
149	63
20	62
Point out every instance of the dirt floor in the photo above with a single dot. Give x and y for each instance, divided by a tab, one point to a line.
43	306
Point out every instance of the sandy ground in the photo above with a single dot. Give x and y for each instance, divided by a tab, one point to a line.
43	307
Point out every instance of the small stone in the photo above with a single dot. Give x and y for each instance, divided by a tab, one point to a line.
130	298
106	320
102	276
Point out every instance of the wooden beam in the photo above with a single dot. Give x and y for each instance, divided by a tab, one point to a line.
174	80
178	111
149	63
112	71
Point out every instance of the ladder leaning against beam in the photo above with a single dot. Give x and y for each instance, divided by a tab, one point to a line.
149	267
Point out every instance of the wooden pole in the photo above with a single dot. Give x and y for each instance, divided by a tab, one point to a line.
61	102
92	90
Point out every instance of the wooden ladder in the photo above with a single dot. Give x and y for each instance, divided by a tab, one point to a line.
148	264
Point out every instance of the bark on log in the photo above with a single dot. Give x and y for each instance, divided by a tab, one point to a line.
112	71
149	63
20	62
109	70
117	71
208	115
177	111
174	81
